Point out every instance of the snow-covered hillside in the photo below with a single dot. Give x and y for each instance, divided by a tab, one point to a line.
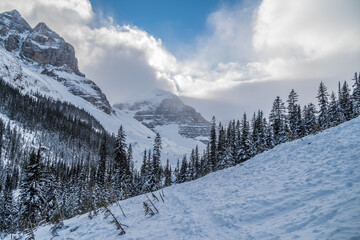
305	189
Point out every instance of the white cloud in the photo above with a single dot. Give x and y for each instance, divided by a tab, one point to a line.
245	45
291	36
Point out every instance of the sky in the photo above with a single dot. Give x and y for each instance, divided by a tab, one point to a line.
222	57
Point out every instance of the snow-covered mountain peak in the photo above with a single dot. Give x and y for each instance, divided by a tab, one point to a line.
12	20
39	60
39	45
40	27
159	108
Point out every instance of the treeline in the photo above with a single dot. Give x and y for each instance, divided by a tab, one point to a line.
67	137
52	191
242	139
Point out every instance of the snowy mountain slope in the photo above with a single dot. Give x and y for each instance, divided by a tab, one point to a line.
305	189
39	60
159	108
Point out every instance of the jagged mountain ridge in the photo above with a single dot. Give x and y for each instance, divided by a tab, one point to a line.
43	51
163	108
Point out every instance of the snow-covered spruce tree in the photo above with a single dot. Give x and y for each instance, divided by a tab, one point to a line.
322	97
192	165
130	172
144	168
310	123
356	94
206	163
183	173
294	115
197	163
245	140
300	128
51	196
269	136
277	120
167	173
258	132
221	150
32	200
213	146
233	144
151	182
177	171
122	178
83	191
7	208
156	163
333	111
130	159
345	103
100	190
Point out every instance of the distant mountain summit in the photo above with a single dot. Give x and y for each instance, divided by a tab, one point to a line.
162	108
40	53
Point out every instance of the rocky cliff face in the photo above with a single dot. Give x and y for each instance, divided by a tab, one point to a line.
45	52
163	108
45	46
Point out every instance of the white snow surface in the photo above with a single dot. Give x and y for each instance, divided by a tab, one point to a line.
305	189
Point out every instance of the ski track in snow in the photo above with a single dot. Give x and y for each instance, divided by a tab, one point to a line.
305	189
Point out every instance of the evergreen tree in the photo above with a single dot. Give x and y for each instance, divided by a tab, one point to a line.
333	111
144	170
294	115
345	102
121	165
130	160
258	133
233	143
245	140
192	166
269	136
51	196
100	176
157	169
167	174
197	163
310	124
213	146
277	120
221	161
322	97
356	94
31	194
183	174
177	171
8	209
100	190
